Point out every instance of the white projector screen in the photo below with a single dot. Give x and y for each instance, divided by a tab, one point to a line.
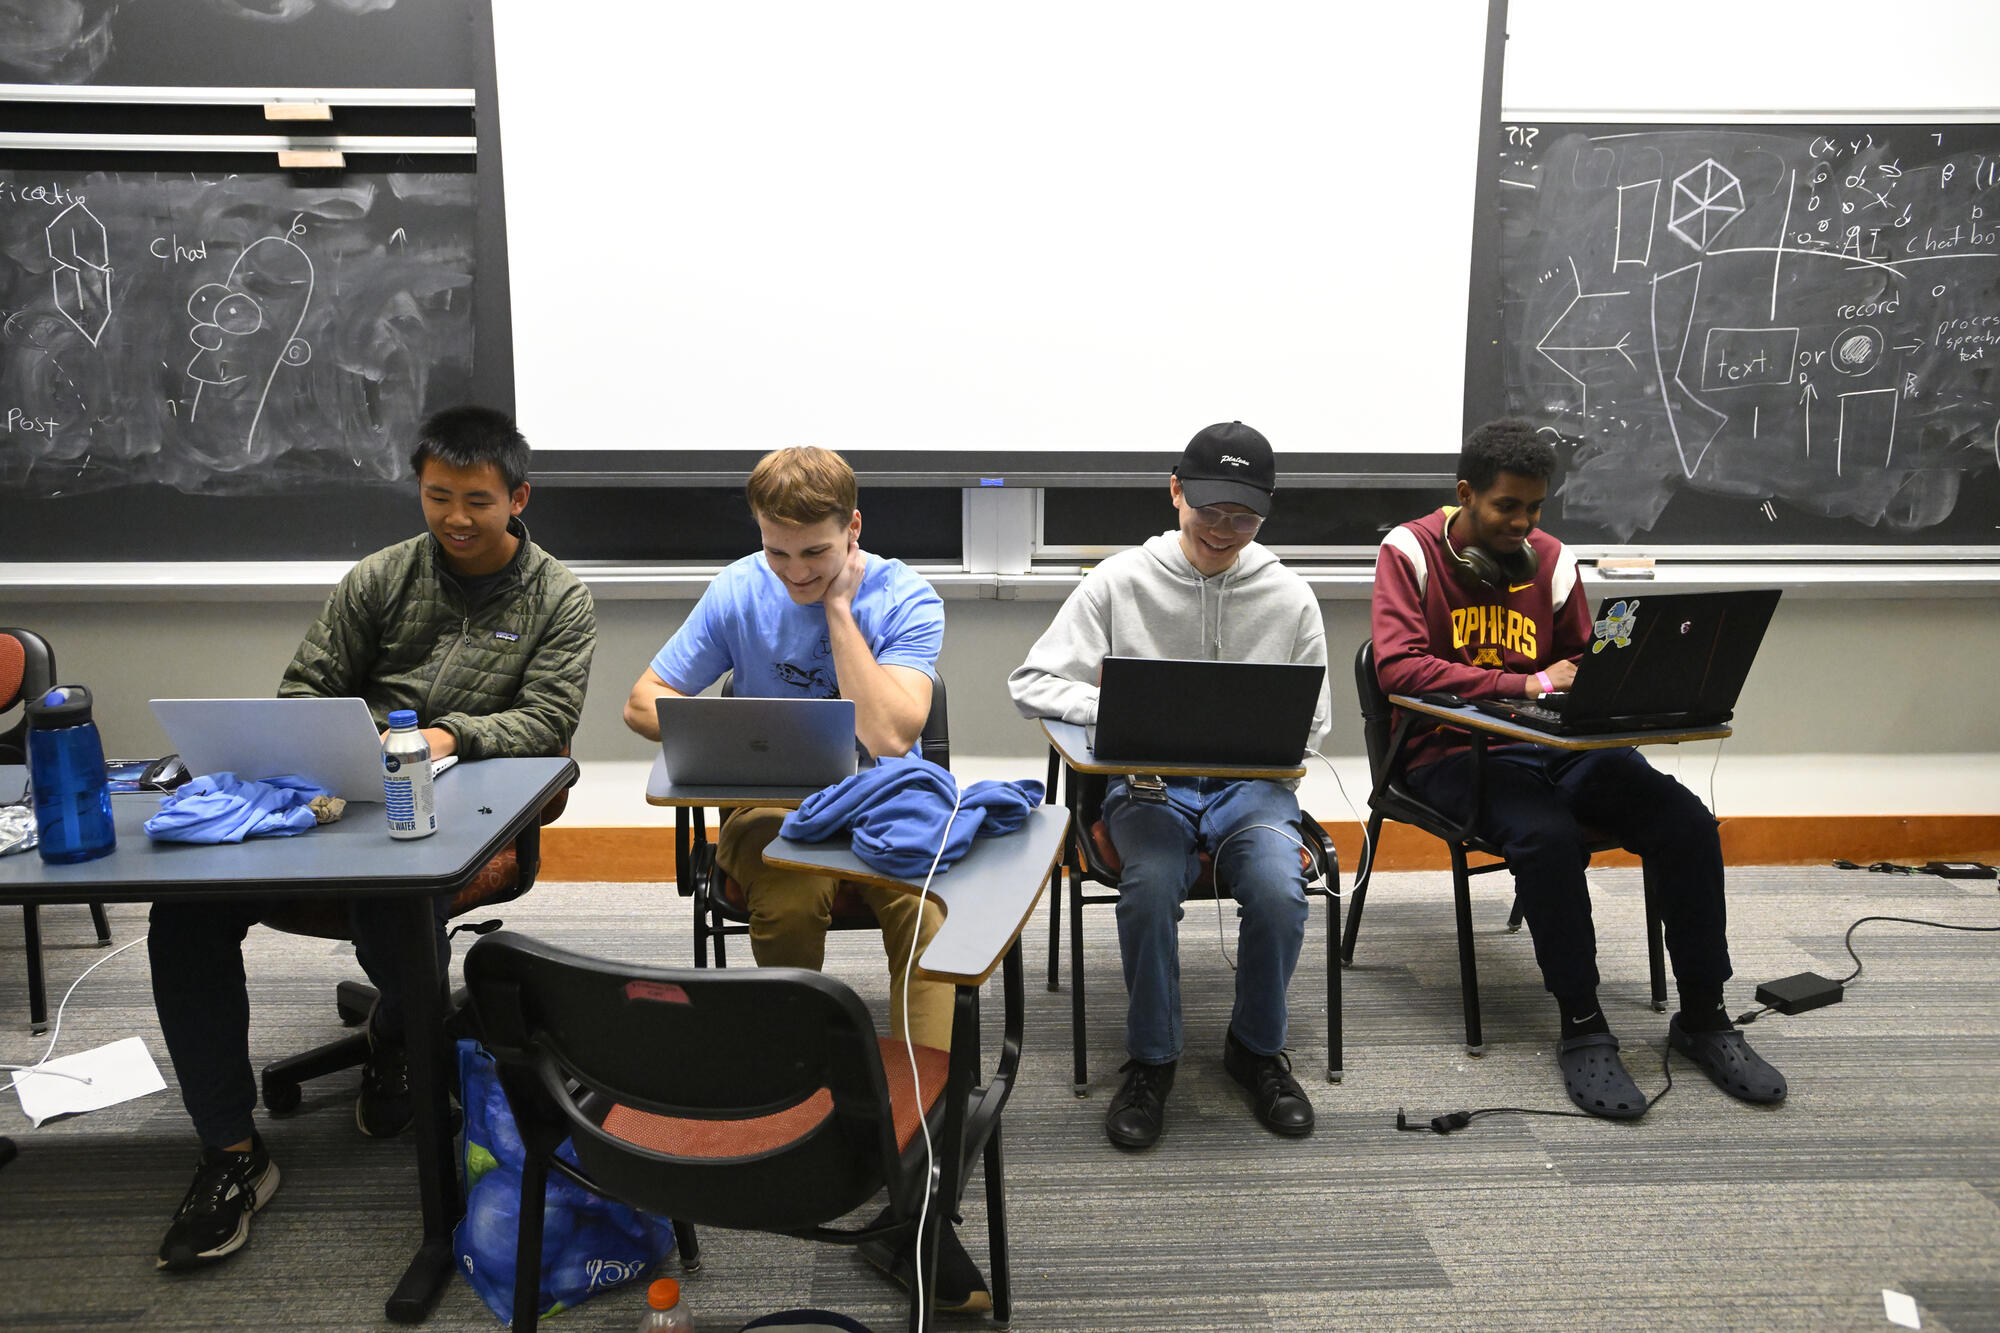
1071	227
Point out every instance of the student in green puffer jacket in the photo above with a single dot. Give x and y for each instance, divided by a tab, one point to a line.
489	639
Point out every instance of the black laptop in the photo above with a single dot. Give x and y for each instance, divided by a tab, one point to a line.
1174	712
1656	661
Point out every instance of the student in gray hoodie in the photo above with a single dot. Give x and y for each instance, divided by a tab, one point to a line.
1205	590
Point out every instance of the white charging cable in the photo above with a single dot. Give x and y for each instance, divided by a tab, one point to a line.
1332	889
56	1033
910	1046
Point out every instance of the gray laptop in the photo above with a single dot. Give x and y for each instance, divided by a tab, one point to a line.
332	743
749	742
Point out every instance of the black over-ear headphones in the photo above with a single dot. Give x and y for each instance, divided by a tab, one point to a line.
1475	564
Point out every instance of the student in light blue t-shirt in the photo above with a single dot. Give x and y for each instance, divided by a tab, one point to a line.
813	615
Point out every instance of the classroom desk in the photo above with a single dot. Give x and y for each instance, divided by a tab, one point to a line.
987	899
1485	724
481	807
1069	749
690	807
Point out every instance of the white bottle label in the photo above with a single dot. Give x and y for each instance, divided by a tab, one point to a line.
406	789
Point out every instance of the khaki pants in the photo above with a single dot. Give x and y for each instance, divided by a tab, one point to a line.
791	909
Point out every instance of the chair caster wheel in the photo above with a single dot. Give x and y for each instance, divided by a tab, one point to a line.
280	1098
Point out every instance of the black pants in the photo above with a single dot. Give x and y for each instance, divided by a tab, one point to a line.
1539	800
203	999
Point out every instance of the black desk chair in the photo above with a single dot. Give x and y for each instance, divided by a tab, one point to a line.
757	1099
721	908
501	880
28	671
1390	799
1090	858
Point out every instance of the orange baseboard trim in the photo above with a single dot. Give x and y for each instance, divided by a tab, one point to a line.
636	854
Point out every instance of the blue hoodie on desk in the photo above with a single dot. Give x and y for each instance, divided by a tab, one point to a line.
901	809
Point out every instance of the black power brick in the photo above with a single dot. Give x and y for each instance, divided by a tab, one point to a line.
1800	993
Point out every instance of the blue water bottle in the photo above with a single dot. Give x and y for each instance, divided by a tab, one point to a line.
66	767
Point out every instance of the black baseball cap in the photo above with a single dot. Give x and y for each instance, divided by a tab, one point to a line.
1228	463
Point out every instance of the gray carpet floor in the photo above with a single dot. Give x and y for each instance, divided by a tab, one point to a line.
1882	1171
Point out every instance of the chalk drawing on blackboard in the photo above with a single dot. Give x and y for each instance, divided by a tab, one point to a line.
1642	233
1579	354
82	275
1680	401
1707	198
1867	429
1747	358
240	326
1856	350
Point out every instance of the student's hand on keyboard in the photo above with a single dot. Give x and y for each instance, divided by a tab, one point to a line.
1561	676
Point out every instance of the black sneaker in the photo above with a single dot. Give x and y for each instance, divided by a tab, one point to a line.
1276	1098
384	1108
1139	1112
959	1289
213	1221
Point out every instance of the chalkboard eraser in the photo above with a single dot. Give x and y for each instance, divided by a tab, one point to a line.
297	111
292	158
1626	567
992	481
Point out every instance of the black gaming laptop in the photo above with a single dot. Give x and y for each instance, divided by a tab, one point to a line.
1658	661
1175	712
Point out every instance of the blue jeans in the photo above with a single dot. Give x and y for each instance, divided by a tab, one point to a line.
1156	844
1540	801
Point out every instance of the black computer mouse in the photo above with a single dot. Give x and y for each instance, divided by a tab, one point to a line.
1443	697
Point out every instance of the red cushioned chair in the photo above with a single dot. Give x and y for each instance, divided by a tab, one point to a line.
720	907
28	671
1091	859
501	880
1390	799
756	1099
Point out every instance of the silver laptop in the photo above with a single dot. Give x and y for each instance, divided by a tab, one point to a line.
749	742
332	743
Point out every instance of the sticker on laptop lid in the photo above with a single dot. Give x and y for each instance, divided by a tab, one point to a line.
1620	619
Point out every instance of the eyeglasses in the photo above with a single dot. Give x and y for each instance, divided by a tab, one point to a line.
1211	516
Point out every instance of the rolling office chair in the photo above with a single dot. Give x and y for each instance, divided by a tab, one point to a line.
758	1099
720	907
1091	859
27	671
1390	799
501	880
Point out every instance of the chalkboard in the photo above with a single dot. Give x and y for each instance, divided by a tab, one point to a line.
239	43
227	333
1755	334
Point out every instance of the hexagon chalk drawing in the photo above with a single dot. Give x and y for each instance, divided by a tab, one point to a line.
82	276
1706	199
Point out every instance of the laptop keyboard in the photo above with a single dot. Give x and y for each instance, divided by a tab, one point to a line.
1519	708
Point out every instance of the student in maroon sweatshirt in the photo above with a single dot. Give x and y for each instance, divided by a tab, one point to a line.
1475	600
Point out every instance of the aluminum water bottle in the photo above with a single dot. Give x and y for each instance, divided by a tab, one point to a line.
406	778
66	767
665	1313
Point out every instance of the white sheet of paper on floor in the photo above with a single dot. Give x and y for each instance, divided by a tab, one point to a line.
116	1073
1901	1309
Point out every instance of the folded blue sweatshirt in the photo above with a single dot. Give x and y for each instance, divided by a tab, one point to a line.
221	807
899	810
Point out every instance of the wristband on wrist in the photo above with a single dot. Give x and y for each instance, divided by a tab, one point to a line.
1542	677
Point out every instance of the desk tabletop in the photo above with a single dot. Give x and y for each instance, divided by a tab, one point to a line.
1465	715
660	790
1072	742
480	807
987	897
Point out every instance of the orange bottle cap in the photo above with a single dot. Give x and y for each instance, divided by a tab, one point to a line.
664	1294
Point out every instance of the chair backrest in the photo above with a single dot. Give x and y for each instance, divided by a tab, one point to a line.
27	671
730	1045
1375	711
